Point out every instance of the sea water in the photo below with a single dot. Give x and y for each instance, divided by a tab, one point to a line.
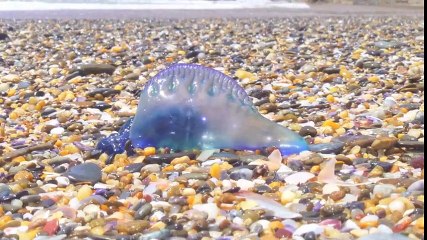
147	4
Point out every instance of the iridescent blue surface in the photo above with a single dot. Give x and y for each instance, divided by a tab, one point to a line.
189	106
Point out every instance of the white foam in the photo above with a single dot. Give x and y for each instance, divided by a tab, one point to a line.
150	5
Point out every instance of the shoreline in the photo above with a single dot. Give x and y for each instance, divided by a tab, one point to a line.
317	10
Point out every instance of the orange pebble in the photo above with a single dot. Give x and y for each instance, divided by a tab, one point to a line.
148	151
276	225
19	159
215	171
23	175
332	124
40	105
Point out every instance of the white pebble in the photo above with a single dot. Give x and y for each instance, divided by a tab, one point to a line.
369	218
384	190
16	203
62	181
211	162
330	188
57	131
349	198
245	185
151	168
74	203
316	228
15	230
156	216
287	197
91	210
416	133
53	122
210	208
4	87
238	221
397	205
264	223
349	225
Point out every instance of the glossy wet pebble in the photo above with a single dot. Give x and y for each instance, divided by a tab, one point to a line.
86	172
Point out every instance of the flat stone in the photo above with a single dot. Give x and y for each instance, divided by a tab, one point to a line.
167	158
197	176
371	65
134	167
241	173
105	92
259	93
331	70
94	68
225	156
250	158
132	76
26	150
386	44
86	172
384	143
327	148
361	140
417	145
102	106
85	104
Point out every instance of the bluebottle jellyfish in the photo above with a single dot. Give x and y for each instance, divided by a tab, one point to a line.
188	106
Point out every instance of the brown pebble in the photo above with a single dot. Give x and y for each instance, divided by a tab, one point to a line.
268	107
23	175
85	104
227	198
337	195
132	227
384	143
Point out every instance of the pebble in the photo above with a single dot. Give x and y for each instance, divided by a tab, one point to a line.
397	205
134	167
308	131
411	144
241	173
369	221
327	148
167	158
3	36
87	69
86	172
287	197
316	229
132	227
384	143
384	190
4	87
143	211
211	209
84	192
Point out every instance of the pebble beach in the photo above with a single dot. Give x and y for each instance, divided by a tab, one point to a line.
352	86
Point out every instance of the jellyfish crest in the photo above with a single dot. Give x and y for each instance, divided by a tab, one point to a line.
189	106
